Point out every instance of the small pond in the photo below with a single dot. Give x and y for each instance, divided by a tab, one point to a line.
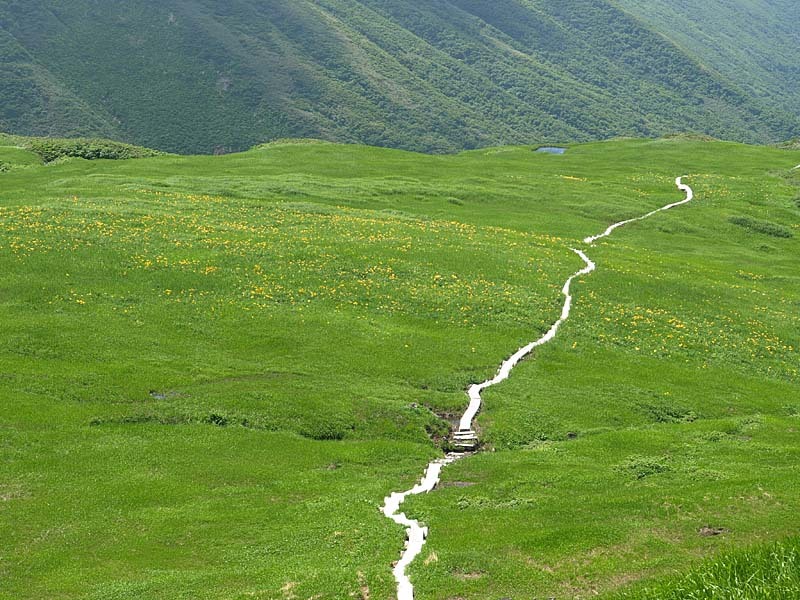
551	150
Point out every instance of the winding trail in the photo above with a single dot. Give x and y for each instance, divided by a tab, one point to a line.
607	232
465	437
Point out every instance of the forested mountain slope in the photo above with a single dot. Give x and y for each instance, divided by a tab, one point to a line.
754	43
432	75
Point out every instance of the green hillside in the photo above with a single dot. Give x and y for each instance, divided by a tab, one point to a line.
204	76
214	369
764	60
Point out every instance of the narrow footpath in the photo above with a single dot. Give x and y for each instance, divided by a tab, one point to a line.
465	438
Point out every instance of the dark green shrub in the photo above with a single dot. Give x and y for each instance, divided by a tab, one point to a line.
51	149
765	227
216	419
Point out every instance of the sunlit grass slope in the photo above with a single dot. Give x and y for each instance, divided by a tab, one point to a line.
214	368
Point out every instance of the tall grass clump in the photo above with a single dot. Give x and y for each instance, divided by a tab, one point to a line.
769	572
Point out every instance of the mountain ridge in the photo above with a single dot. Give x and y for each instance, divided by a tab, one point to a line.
438	76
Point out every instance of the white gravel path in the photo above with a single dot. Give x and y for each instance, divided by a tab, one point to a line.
417	533
475	390
607	232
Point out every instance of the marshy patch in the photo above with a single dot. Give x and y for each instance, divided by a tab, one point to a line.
363	588
216	419
212	418
288	590
165	394
10	492
468	576
708	531
317	428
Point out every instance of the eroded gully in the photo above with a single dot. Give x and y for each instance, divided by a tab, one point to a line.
465	437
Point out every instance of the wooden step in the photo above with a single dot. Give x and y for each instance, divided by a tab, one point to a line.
464	446
465	440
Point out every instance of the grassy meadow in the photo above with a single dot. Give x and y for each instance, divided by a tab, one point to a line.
213	369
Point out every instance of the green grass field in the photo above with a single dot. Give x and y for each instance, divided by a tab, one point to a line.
213	369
